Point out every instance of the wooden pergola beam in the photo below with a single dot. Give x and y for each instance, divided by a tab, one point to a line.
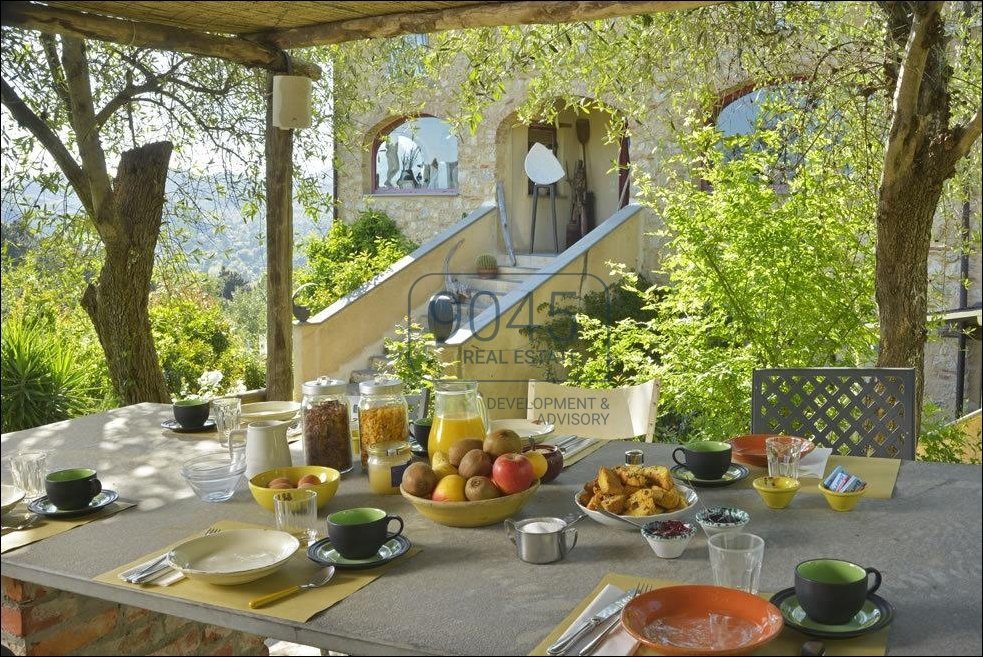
490	14
53	20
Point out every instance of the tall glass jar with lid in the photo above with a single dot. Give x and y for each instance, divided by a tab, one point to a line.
382	414
324	412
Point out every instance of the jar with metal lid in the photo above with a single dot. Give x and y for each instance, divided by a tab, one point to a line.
382	414
324	413
386	464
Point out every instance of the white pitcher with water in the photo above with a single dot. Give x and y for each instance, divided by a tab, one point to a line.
266	446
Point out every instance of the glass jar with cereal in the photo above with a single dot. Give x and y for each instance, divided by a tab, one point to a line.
324	413
382	414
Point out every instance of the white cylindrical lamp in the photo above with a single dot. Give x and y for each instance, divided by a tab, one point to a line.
291	101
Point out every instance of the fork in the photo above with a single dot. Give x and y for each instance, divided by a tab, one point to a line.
596	642
159	565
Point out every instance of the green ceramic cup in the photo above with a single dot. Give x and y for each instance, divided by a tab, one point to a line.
832	591
70	490
706	459
359	533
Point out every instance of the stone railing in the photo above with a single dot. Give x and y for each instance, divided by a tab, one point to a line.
492	349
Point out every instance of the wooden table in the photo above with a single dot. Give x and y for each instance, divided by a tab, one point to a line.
467	593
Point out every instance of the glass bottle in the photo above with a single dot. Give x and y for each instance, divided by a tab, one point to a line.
324	413
386	464
459	413
382	414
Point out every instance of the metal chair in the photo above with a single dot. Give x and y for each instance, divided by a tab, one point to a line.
856	411
614	414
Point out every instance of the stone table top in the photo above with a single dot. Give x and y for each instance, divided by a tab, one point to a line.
466	592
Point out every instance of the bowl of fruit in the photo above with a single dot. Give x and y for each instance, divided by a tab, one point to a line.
476	483
323	481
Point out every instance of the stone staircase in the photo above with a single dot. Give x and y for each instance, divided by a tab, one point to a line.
484	293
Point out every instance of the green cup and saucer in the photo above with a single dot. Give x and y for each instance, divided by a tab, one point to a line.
44	507
877	613
735	472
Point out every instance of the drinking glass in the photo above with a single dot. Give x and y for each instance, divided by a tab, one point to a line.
226	411
736	560
296	513
27	470
784	453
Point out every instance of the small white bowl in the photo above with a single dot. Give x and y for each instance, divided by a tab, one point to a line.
668	547
11	496
733	520
235	556
269	410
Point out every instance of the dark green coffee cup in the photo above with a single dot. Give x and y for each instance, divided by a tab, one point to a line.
706	459
359	533
832	591
70	490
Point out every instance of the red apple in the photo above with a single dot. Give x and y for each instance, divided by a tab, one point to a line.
512	473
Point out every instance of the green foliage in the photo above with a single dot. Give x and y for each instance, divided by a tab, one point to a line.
192	338
349	256
944	441
415	359
43	378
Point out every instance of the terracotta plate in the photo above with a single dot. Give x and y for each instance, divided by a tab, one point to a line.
701	620
750	449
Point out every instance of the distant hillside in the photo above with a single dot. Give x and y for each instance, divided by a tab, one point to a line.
228	241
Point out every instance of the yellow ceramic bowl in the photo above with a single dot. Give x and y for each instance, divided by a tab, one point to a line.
841	501
471	514
777	492
330	478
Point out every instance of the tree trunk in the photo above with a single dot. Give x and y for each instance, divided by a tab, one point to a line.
904	226
279	256
117	302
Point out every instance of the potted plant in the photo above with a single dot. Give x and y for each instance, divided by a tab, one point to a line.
486	266
415	359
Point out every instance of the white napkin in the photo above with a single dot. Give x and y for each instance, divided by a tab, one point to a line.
813	464
618	642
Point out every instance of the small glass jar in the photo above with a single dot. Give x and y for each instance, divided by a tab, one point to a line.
386	464
634	457
382	414
324	413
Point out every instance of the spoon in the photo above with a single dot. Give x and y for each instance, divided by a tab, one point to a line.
571	523
319	580
26	521
617	517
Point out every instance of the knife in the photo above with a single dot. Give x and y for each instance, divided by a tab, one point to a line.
560	645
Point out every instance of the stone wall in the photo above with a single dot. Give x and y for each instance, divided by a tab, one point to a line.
40	621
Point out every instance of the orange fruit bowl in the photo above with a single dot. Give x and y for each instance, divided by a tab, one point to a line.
472	514
674	620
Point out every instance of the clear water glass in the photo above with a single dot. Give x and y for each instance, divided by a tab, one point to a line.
784	453
296	513
28	469
226	411
736	560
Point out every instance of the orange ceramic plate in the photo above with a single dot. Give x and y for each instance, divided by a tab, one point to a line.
701	620
750	449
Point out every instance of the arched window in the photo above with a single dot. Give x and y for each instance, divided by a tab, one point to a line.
413	156
752	109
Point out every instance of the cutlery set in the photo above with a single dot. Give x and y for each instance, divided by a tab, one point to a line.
609	617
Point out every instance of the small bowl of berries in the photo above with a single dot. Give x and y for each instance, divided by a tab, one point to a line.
668	538
722	519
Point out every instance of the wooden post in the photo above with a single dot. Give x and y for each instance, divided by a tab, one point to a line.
279	255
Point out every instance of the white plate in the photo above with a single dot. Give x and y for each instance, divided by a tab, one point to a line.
691	500
270	410
11	496
236	556
525	428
